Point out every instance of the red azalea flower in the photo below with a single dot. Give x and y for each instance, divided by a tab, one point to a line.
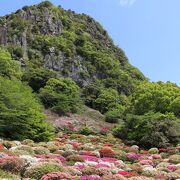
106	152
1	147
126	173
163	150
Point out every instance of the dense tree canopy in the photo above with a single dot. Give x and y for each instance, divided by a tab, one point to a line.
62	95
8	68
152	117
21	115
152	129
156	97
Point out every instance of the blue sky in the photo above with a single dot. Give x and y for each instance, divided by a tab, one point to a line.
147	30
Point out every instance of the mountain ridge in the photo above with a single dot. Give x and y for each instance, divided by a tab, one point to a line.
72	45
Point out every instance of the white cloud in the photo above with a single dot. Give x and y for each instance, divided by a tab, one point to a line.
125	3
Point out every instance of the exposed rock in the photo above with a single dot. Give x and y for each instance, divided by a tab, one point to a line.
3	35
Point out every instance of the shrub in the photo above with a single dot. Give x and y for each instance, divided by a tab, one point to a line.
92	177
61	95
7	175
67	153
37	76
114	115
150	130
74	171
114	177
88	171
75	158
27	150
103	171
39	170
153	151
85	131
46	4
57	176
41	150
12	164
174	159
106	152
106	98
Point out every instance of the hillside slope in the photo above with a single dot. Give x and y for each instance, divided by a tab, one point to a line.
71	45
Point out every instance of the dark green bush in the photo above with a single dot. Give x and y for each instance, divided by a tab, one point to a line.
150	130
85	131
37	171
114	115
37	77
62	95
105	99
46	4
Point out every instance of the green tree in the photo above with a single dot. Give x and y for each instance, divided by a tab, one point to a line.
37	76
21	115
156	97
105	100
8	67
62	95
150	130
114	115
175	106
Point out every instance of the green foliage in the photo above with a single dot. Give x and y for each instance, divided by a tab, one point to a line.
107	98
175	106
21	115
90	94
80	37
150	130
156	97
114	115
36	172
37	76
7	175
45	4
62	95
8	68
85	131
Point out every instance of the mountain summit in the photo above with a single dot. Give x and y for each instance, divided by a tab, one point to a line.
71	45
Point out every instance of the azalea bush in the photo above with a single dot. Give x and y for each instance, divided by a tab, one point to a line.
37	171
106	152
75	158
57	176
12	164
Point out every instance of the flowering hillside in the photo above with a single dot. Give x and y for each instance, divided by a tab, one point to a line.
80	157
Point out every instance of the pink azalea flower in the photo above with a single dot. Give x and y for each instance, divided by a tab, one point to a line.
111	160
90	158
146	162
90	178
101	165
172	167
156	156
133	156
82	166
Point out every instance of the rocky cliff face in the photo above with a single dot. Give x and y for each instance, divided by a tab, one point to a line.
3	34
72	45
